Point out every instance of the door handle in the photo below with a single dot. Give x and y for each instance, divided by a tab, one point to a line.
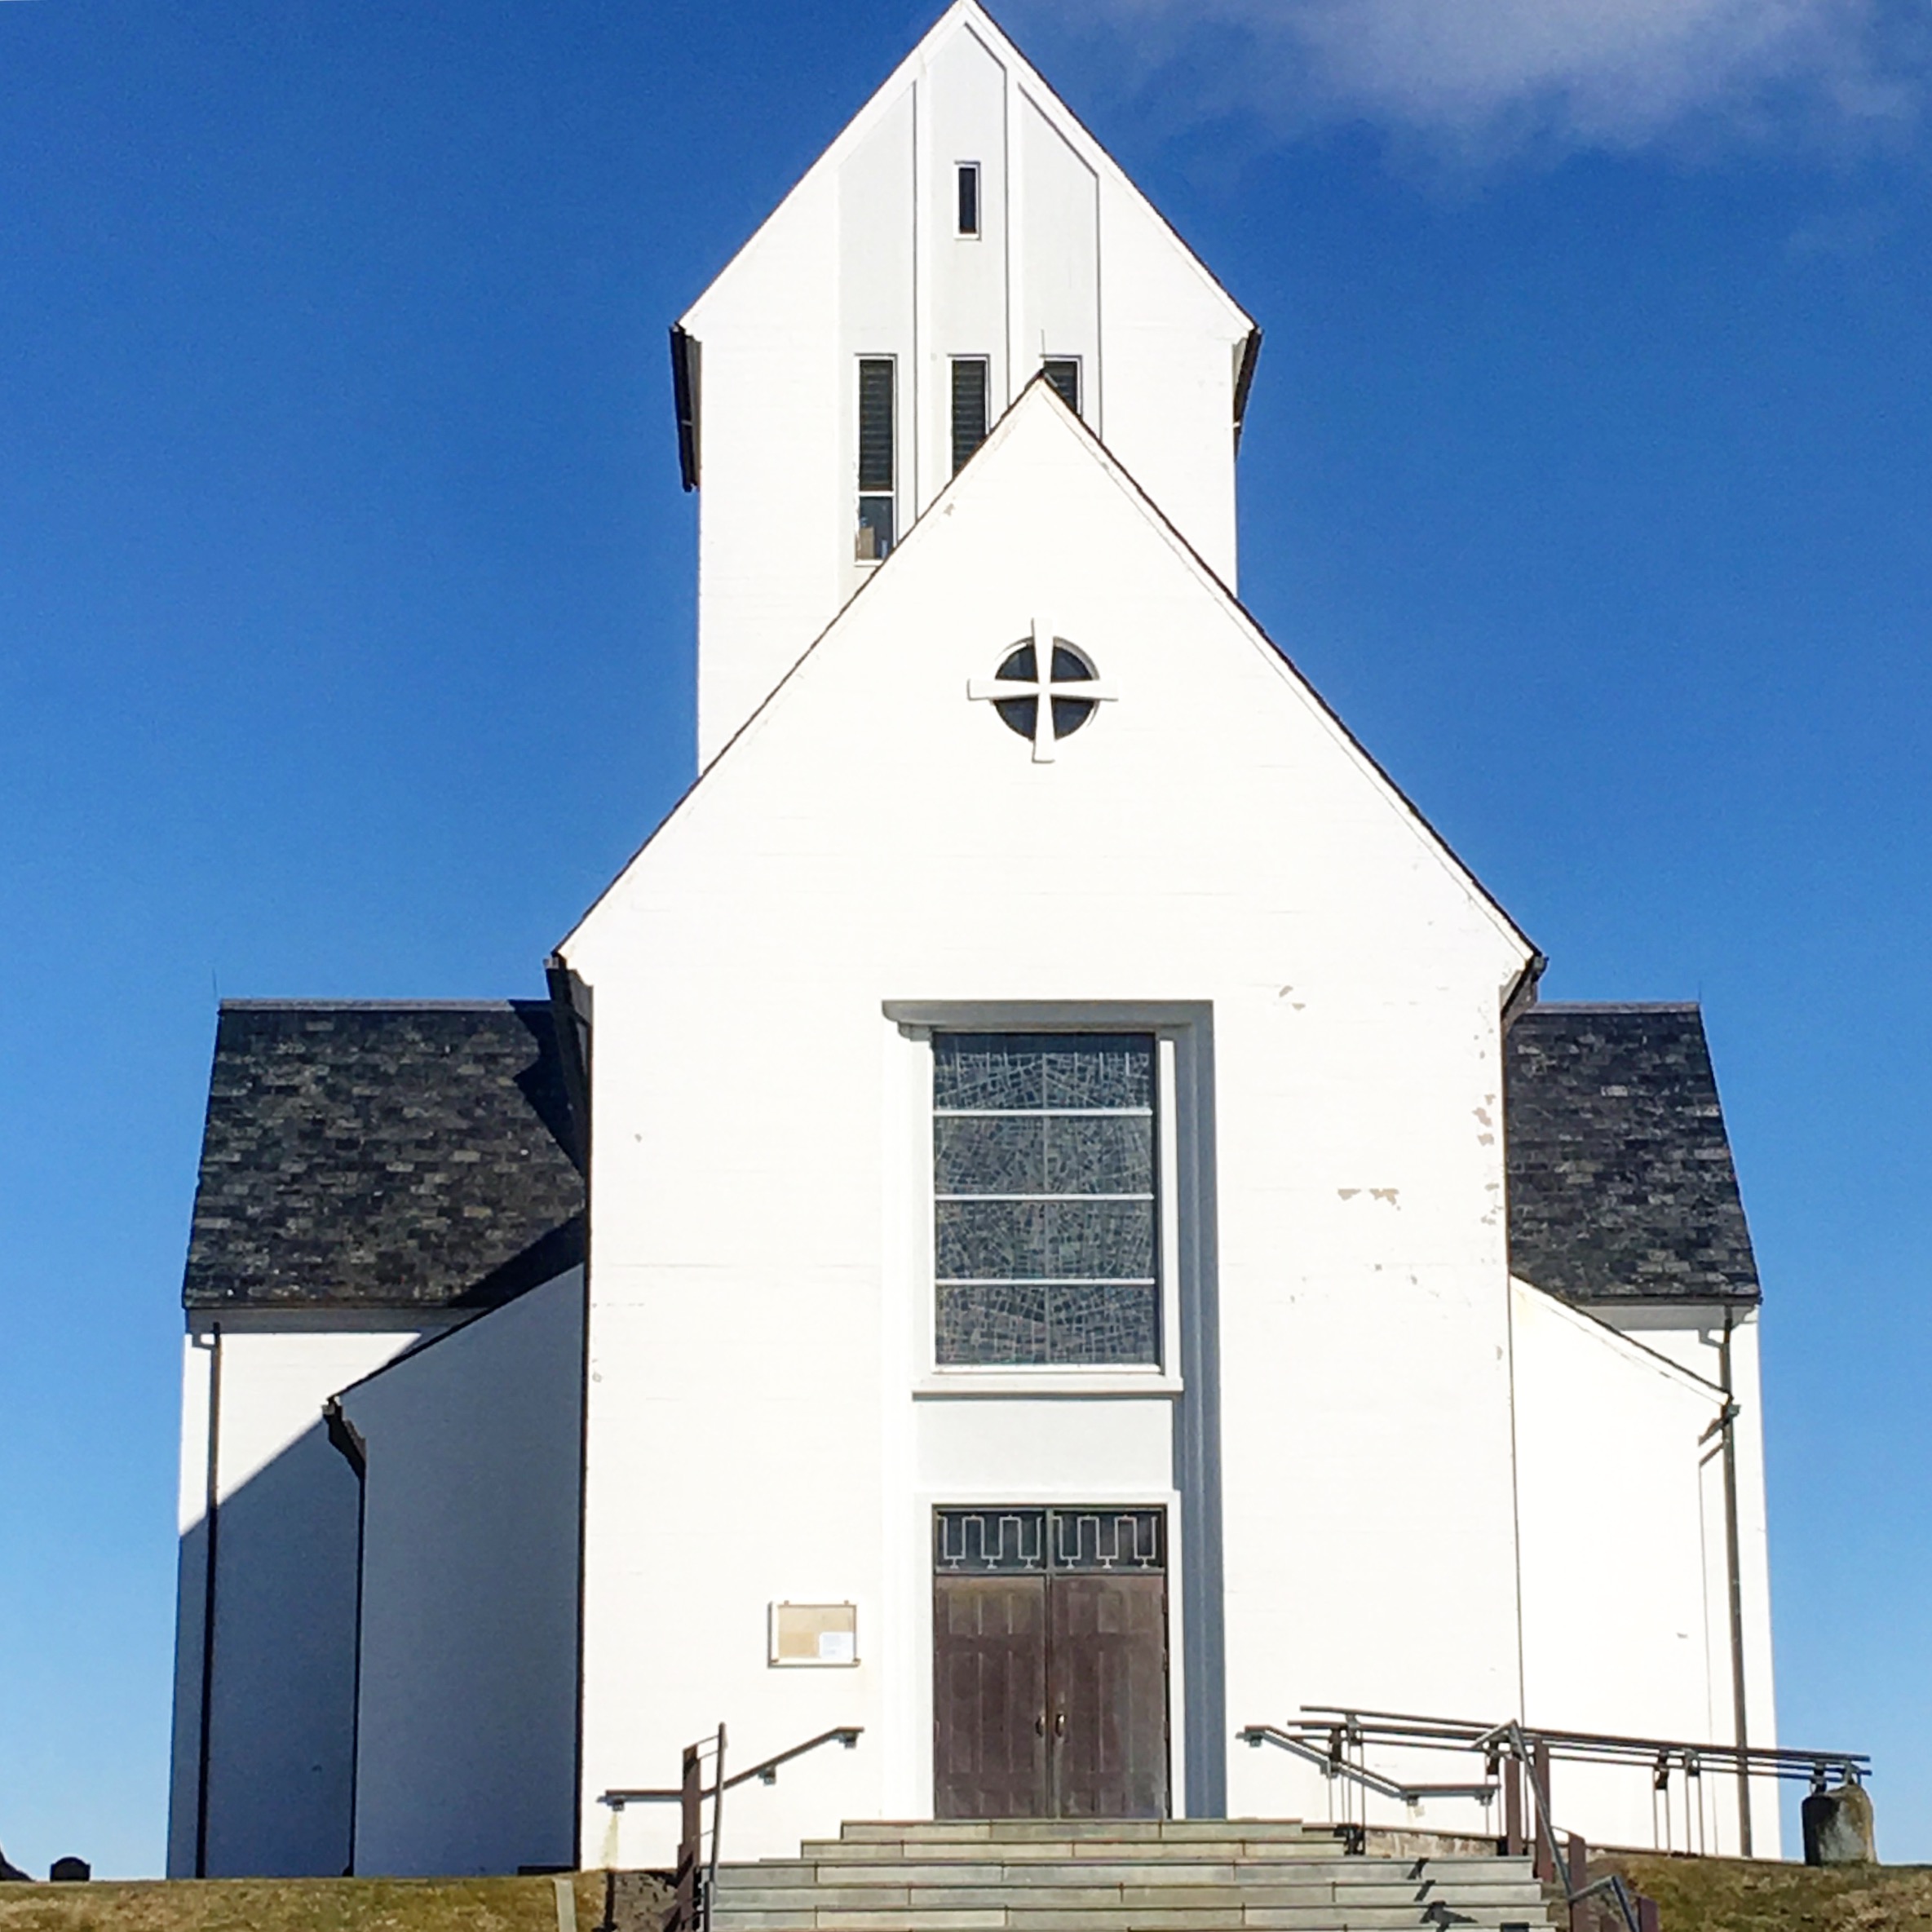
1059	1723
1040	1725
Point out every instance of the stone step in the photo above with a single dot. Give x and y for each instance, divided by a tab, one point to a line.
780	1898
1174	1869
1197	1875
1343	1918
935	1850
928	1831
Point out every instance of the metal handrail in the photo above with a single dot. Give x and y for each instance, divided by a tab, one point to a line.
1323	1735
1574	1893
1332	1761
766	1771
696	1889
1593	1747
1494	1741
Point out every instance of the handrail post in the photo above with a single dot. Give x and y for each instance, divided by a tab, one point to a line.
1576	1873
1513	1843
1539	1770
717	1823
691	1800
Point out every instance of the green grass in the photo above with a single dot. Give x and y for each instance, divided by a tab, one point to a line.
309	1905
1697	1896
1752	1895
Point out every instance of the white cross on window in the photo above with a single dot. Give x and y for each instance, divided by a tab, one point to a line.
1045	690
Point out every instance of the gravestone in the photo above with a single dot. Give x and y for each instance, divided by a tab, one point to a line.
11	1874
70	1871
1838	1828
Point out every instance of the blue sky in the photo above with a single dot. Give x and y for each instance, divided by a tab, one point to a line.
346	614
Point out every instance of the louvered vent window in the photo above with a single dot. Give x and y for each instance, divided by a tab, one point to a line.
969	408
969	197
878	400
1064	373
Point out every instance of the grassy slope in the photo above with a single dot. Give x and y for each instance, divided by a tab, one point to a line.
1746	1895
298	1905
1697	1896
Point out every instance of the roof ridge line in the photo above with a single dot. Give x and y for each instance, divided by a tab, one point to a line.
1615	1007
307	1006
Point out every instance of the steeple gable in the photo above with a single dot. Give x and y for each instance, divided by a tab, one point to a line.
962	235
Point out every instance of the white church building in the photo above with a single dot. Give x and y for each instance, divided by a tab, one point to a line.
1041	1217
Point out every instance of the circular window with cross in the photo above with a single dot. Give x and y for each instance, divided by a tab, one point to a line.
1043	708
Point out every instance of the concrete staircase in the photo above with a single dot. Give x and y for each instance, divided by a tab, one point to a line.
1099	1876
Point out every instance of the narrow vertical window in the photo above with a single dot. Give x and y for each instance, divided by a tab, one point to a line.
1064	373
1045	1223
969	408
876	470
969	197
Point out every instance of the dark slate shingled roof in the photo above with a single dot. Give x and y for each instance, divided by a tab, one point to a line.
1622	1186
379	1154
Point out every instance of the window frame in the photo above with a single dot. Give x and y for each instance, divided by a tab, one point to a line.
1078	405
954	364
1180	1044
963	171
862	495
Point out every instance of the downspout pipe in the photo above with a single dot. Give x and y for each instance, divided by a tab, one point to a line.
572	1001
211	1544
1735	1568
348	1441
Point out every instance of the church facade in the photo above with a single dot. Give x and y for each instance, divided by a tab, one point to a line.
1041	1216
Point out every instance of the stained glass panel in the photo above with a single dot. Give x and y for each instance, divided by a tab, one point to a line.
1099	1154
991	1323
982	1070
1100	1070
1089	1321
1099	1241
991	1240
1023	1072
992	1154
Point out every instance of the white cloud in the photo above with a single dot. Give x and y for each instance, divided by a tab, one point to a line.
1480	74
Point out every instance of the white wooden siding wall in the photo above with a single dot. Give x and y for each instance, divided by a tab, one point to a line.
1209	838
1690	1336
467	1738
282	1712
1618	1618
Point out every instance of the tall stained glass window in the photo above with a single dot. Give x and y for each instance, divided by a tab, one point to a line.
1043	1198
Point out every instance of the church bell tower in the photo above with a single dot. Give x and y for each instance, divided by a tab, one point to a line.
964	236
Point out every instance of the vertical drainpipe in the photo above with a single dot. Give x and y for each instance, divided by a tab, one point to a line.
1735	1567
211	1521
347	1440
573	1008
1521	996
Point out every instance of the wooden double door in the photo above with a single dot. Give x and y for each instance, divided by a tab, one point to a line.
1049	1664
